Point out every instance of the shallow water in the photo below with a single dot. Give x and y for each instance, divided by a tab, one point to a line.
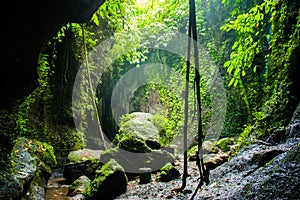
56	189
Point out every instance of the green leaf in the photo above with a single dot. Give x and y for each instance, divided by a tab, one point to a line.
95	19
230	68
231	82
122	8
235	45
240	47
226	64
235	83
243	73
254	69
237	71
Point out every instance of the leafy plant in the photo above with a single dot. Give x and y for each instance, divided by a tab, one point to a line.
248	28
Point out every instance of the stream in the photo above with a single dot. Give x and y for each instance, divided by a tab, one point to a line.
56	189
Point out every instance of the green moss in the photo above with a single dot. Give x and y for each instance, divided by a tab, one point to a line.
133	144
167	167
167	173
126	117
281	90
73	157
245	137
102	174
41	151
32	156
192	151
224	143
161	122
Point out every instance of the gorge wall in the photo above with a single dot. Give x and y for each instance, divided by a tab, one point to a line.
26	27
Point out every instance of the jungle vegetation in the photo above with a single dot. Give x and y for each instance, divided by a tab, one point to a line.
248	53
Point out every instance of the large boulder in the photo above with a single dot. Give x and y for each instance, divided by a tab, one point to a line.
32	163
109	182
259	171
138	144
138	133
280	178
134	162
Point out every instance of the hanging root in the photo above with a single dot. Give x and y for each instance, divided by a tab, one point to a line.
203	178
181	188
177	189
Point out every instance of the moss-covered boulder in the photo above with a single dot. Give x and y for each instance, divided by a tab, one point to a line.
83	162
138	133
223	144
110	181
79	186
168	173
133	143
133	162
32	163
83	154
138	144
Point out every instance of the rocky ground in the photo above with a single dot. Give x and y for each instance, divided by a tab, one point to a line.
260	171
155	189
163	190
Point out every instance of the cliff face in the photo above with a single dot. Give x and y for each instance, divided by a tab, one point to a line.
26	27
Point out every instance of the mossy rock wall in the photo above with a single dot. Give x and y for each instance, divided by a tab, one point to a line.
283	83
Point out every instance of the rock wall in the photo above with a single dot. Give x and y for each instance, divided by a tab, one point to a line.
26	27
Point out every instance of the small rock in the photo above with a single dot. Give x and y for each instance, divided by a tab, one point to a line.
79	186
216	161
168	173
82	162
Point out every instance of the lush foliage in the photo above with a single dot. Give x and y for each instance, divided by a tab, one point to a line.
238	41
261	40
253	45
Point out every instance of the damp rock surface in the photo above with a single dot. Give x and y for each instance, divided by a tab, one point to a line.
257	172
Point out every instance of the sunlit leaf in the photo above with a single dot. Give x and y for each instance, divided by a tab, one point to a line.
235	83
237	71
231	82
235	45
227	63
254	69
229	70
243	73
95	19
